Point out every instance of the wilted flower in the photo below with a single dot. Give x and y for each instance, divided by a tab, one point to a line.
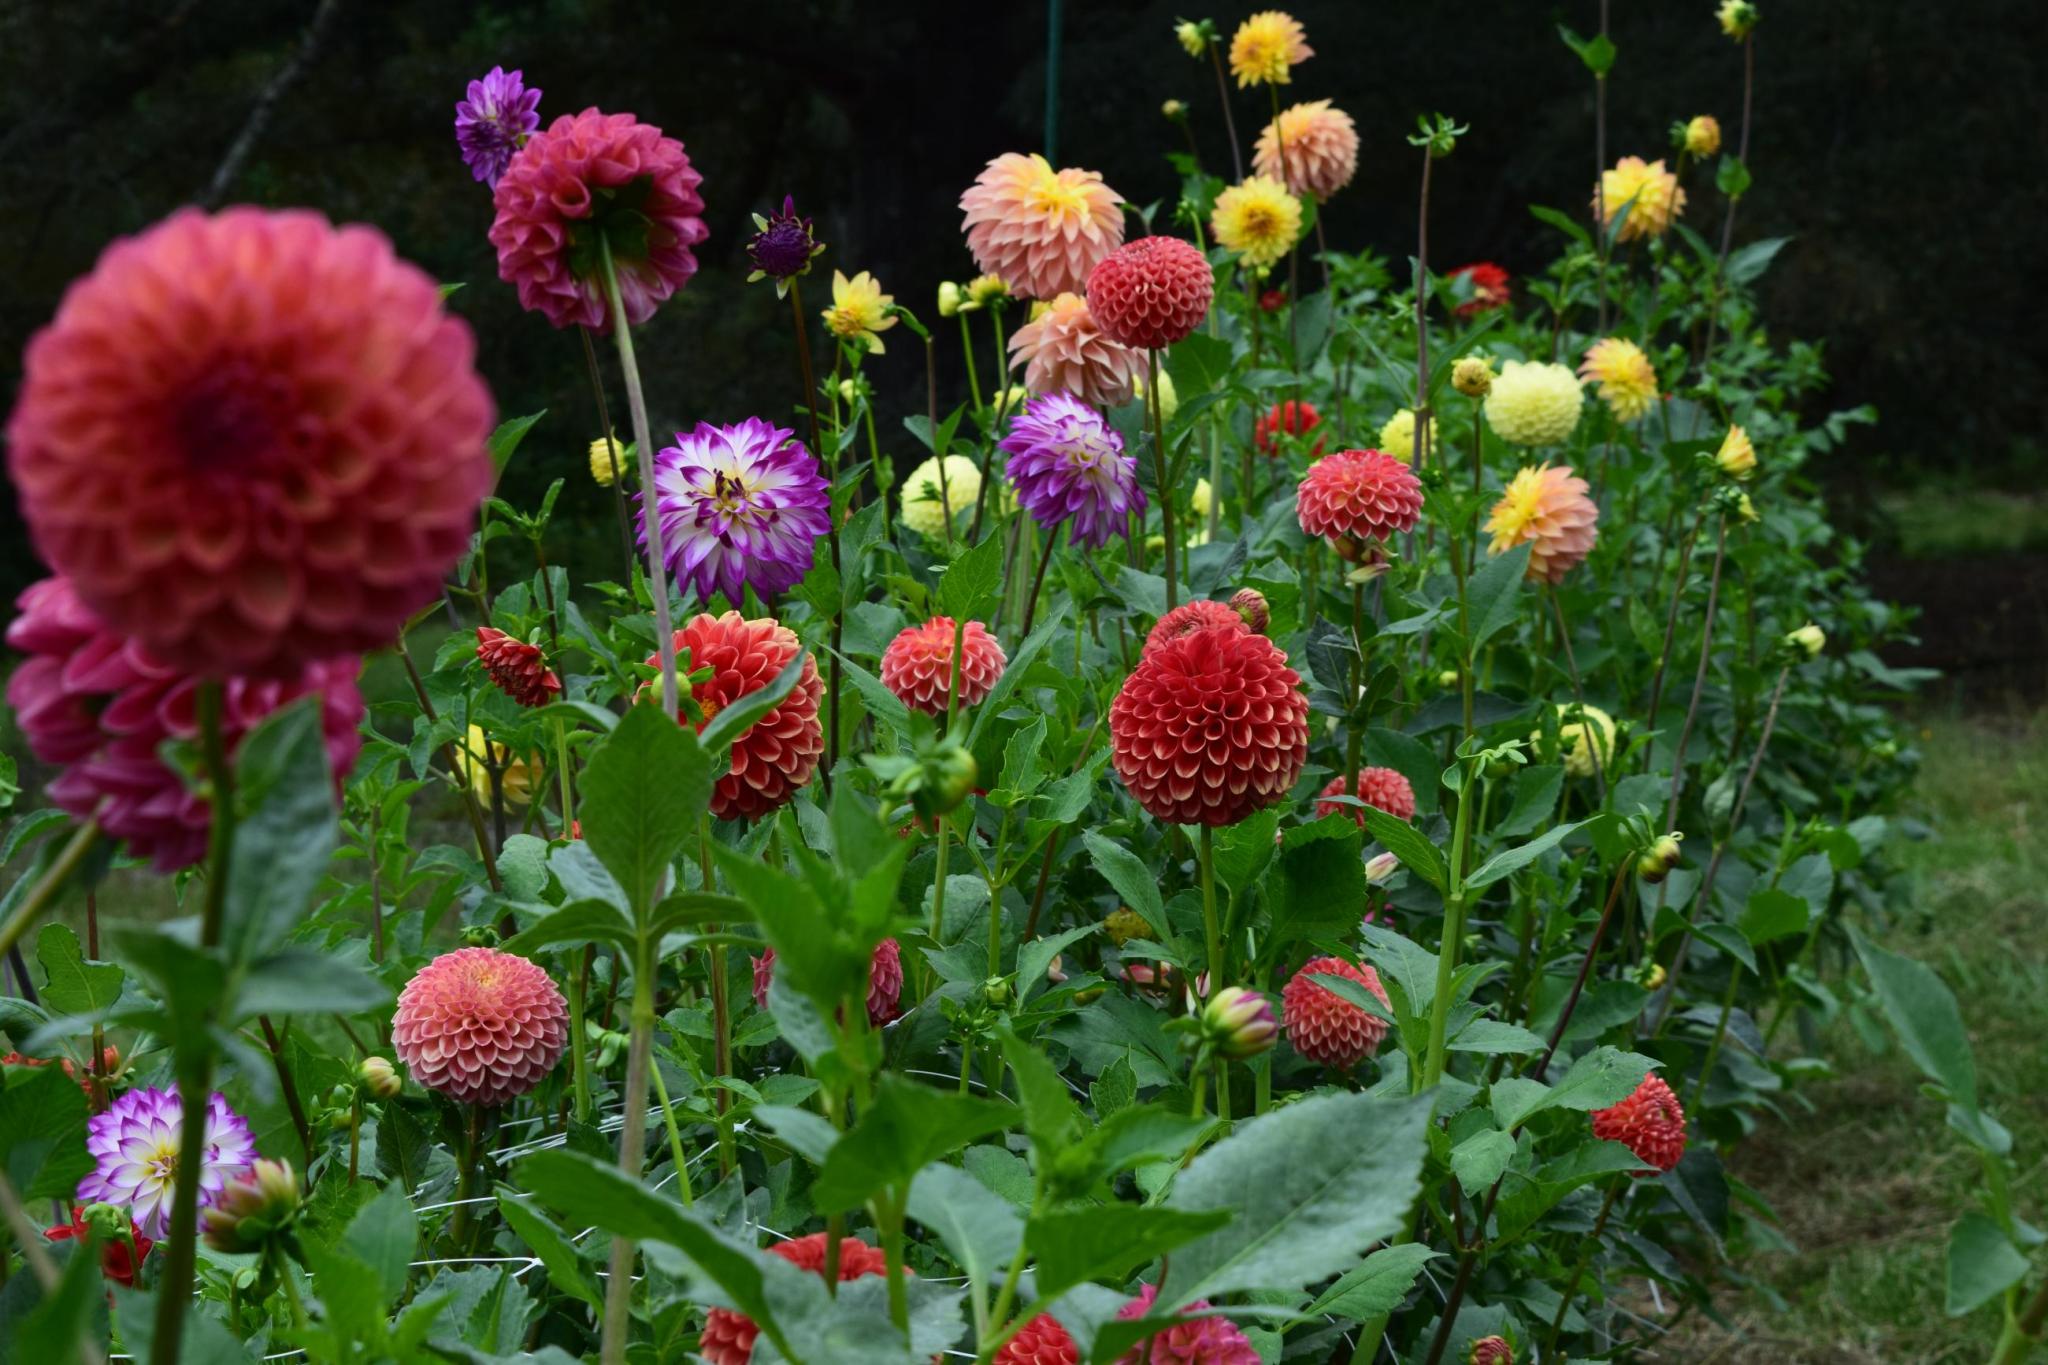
1065	351
516	668
1810	638
1648	191
1239	1023
1312	148
1737	456
1397	437
1628	382
1069	467
256	1206
1472	376
860	310
1040	230
495	121
1534	403
1258	219
136	1142
1703	135
782	247
1266	48
740	506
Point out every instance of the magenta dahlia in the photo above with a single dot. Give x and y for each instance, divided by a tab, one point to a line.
741	506
480	1026
1068	467
495	121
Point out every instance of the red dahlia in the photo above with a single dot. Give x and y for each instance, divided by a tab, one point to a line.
729	1336
1355	496
1189	617
1489	287
1382	788
1649	1123
1291	417
518	668
778	753
1151	293
916	665
885	981
1041	1341
1323	1026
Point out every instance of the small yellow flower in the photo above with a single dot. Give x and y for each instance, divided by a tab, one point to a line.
1397	437
1738	18
1627	380
1190	36
1579	740
517	777
860	310
1169	401
1650	192
983	290
1703	135
1266	48
601	455
1473	376
1258	219
1174	111
1737	456
949	299
1810	638
1746	509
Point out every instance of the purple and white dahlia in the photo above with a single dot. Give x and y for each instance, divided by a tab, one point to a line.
495	121
740	506
136	1145
1068	465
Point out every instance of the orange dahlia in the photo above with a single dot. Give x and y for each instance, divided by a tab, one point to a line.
1151	293
1189	617
885	981
1266	48
1040	230
1649	1123
1547	506
516	668
1381	788
251	440
917	665
1041	1341
1210	727
1324	1026
1627	380
1649	193
1291	417
729	1335
1312	148
480	1026
1356	496
1063	350
776	755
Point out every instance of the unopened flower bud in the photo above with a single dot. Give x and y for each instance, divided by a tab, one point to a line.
1251	604
1380	867
986	289
256	1205
1190	36
949	299
1737	456
480	936
996	990
1809	638
1738	18
1473	376
605	451
1124	924
1650	976
948	776
1239	1023
380	1078
1746	509
1491	1351
1659	858
1703	135
111	1221
1447	678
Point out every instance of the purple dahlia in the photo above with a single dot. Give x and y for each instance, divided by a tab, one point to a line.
1068	465
741	506
136	1145
783	247
495	121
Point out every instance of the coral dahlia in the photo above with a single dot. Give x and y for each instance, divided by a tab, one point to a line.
480	1026
1312	148
1041	1341
1069	467
1534	403
1627	380
251	439
1546	506
1266	48
135	1145
1324	1026
1151	293
1040	230
518	669
1259	219
1489	287
740	506
1291	417
1355	496
1191	1341
729	1335
778	753
1191	616
1381	788
1063	350
917	665
885	981
1648	191
1649	1123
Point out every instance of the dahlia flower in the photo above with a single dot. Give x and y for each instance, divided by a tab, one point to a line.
1355	496
134	1146
1192	38
1312	148
1627	380
1197	614
1289	416
1397	437
1258	219
930	505
118	1262
1473	376
1737	456
1041	1341
1650	1123
1266	48
480	1026
1546	506
516	668
1064	351
1650	193
782	247
1489	287
1585	745
860	311
494	122
589	180
1040	230
251	439
741	506
729	1335
518	778
778	753
610	456
1169	399
1210	727
981	291
256	1206
1703	135
1324	1026
1151	293
1738	18
1381	788
1069	467
1533	403
1191	1341
102	707
918	664
885	981
379	1077
1490	1351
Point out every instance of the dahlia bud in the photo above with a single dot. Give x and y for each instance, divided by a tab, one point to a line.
1169	400
1729	499
1250	603
1447	678
380	1078
1738	18
1746	509
983	290
480	936
1491	1351
949	299
256	1206
603	452
1381	867
1012	398
1239	1023
1124	924
111	1221
1473	376
1191	37
1809	638
1650	976
1703	135
1737	456
849	391
948	775
996	990
1174	110
1659	858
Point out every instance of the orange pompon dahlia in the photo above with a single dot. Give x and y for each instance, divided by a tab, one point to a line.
1064	350
1381	788
1312	148
1649	1123
1547	506
1324	1026
518	669
1041	1341
585	181
480	1026
729	1335
1289	417
1037	229
1627	380
1646	190
1355	496
1189	617
1151	293
777	754
1210	727
917	664
251	440
885	981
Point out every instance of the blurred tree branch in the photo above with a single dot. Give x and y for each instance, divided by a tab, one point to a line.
259	116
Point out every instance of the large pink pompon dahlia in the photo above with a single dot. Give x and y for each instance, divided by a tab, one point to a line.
917	665
1037	229
1189	617
1041	1341
777	754
1312	148
1649	1123
251	439
1324	1026
1151	293
1551	509
1065	351
729	1336
101	707
1355	496
588	179
480	1026
1210	727
885	981
1381	788
1192	1341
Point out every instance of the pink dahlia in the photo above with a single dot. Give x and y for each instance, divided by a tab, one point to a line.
885	981
1041	1341
1356	496
1189	617
1210	727
740	506
1324	1026
589	178
1312	148
918	664
777	754
1291	417
480	1026
102	707
1649	1123
1549	508
1381	788
1064	351
729	1336
1192	1341
516	668
251	439
1152	292
1037	229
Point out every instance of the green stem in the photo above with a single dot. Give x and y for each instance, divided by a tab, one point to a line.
1166	492
1587	1248
618	1295
1453	937
967	350
579	1047
675	1135
1211	924
44	893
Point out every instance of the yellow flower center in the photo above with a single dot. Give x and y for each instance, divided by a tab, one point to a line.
1052	197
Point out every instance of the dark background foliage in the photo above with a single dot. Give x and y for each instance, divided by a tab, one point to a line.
1891	141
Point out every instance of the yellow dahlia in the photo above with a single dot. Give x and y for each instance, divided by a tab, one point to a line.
602	452
1397	437
1546	507
1650	192
1266	47
1809	638
1038	229
517	777
1473	376
1579	740
1189	35
1169	401
1738	18
1737	456
1258	219
925	508
1533	403
1627	380
1703	135
1312	147
859	310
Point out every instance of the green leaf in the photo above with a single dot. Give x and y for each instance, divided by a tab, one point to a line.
1139	1133
584	921
1321	882
1563	222
1035	958
1051	1116
1196	364
1731	177
1982	1263
1132	880
72	985
42	1133
1603	1077
882	704
1407	843
1510	861
1479	1160
1051	624
1772	914
1376	1287
507	437
979	1227
1492	1036
1923	1012
551	1245
1596	52
1536	789
286	834
1729	940
1244	850
1108	1241
306	981
383	1236
62	1320
970	581
813	953
725	728
643	791
907	1127
1752	260
1493	594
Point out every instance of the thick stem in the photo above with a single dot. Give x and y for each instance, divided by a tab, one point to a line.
611	447
1453	938
2023	1331
618	1294
1166	492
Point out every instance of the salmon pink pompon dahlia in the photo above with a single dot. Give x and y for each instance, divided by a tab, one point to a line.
729	1336
1355	496
1381	788
1065	351
586	180
1324	1026
885	981
1041	1341
1037	229
1189	617
917	664
777	754
516	668
1210	727
1152	292
1649	1123
480	1026
1289	416
252	439
1312	148
1546	506
101	706
1192	1341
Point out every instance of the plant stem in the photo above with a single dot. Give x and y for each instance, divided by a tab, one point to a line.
967	351
1699	679
1211	924
1229	122
579	1045
44	893
1038	579
611	445
1166	492
810	382
618	1293
296	1110
1422	315
1671	627
1564	1019
2023	1330
675	1135
1453	937
455	766
1591	1244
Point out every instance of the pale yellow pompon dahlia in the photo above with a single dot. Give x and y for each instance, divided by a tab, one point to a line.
1533	403
1169	400
1266	48
1258	219
1649	190
1579	740
1627	380
1703	135
601	451
1312	147
1473	376
859	310
517	777
1397	437
924	509
1738	18
1198	503
1737	456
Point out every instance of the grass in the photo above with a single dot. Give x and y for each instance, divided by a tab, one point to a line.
1863	1175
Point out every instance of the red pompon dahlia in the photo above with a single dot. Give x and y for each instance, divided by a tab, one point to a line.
251	439
1151	293
1382	788
1649	1123
1292	417
518	668
778	753
1191	616
1041	1341
1355	496
1491	1351
885	981
101	707
1489	287
480	1026
729	1335
588	179
1323	1026
917	664
1192	1341
1210	727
